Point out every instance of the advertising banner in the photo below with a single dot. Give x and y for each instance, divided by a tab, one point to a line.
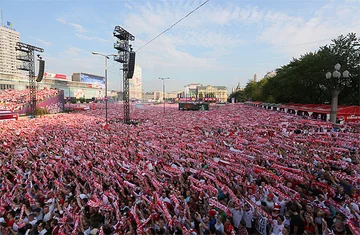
55	76
186	99
352	118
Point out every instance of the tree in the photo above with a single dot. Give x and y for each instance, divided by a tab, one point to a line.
201	96
303	79
238	95
347	52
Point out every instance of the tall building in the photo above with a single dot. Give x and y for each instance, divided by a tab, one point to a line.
135	84
255	77
8	63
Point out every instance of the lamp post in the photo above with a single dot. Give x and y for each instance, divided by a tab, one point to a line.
337	81
164	90
106	97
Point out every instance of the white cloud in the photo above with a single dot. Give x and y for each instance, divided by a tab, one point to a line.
41	41
72	51
91	38
76	27
207	29
45	43
128	6
296	36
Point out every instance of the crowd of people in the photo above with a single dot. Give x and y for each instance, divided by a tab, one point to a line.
16	100
231	170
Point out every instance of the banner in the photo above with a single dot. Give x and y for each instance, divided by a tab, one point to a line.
55	76
261	225
186	99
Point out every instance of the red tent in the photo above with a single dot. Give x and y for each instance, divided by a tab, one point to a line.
349	113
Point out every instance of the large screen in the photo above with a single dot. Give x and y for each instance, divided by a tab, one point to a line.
96	81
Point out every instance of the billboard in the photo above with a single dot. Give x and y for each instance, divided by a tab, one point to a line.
93	80
55	76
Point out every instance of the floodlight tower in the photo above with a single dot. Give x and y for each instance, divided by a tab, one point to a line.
28	59
127	57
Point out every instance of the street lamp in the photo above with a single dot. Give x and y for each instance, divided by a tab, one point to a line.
164	90
337	82
106	97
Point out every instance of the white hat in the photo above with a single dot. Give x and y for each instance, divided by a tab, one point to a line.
2	220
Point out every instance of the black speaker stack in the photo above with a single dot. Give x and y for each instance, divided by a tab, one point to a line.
131	65
41	71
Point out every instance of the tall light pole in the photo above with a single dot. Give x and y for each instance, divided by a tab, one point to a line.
106	97
164	90
337	83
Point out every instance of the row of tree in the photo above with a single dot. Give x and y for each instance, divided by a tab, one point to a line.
303	80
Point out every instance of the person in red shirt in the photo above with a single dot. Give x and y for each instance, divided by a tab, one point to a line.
228	227
309	225
10	219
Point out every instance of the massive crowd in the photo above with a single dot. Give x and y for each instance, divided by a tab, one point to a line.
16	100
231	170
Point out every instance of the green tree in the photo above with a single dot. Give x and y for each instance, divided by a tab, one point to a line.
347	53
201	96
303	79
238	95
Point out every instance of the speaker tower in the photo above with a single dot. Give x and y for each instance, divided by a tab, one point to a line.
41	71
131	65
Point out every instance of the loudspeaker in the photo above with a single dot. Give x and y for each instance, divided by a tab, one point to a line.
41	70
131	65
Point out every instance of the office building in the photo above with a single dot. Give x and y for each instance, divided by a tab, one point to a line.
135	84
8	62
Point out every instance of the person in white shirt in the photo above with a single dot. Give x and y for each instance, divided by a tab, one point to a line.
47	213
41	228
38	213
269	202
282	202
248	214
277	225
219	226
287	219
164	198
237	214
31	219
256	199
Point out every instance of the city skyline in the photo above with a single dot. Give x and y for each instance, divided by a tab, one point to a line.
222	43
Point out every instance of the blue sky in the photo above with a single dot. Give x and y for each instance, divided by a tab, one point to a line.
223	43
